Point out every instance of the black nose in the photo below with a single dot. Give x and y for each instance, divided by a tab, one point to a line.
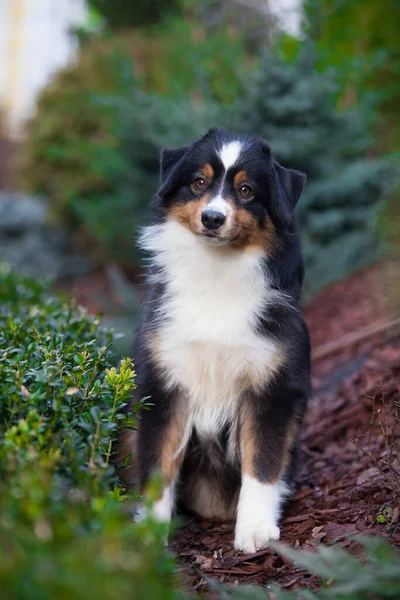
212	219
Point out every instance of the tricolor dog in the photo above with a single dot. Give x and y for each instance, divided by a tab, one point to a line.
222	349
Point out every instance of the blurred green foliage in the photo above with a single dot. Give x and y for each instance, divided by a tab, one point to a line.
71	149
290	105
177	59
360	40
293	107
94	145
64	532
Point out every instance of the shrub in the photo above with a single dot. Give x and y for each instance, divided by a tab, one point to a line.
64	532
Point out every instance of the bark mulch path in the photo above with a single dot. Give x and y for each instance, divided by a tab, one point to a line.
347	306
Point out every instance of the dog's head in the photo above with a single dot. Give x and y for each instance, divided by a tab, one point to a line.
229	190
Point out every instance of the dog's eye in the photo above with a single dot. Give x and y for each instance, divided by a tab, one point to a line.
199	184
245	191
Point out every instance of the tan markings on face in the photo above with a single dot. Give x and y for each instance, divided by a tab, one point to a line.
207	172
246	234
189	213
239	179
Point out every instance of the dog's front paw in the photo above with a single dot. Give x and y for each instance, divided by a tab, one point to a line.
251	537
140	513
161	510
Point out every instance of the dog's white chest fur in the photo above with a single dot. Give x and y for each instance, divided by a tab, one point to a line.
207	342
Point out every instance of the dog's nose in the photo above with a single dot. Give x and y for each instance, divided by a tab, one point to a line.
212	219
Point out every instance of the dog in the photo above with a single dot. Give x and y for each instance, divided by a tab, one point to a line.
222	349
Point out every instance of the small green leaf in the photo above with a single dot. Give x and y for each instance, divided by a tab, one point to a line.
381	519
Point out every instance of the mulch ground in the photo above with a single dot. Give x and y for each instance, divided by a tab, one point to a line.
350	470
347	306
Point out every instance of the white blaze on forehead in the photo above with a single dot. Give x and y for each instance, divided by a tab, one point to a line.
229	154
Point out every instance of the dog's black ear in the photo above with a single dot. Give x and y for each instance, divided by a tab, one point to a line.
292	183
169	158
212	132
169	167
287	187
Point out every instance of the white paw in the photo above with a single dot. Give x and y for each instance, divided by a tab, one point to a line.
140	513
160	511
250	538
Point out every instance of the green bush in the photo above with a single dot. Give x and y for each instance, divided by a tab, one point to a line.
367	62
374	574
64	532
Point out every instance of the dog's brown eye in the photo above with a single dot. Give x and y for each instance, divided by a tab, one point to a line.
199	184
245	191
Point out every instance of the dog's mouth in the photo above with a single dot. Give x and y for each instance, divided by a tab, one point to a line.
213	239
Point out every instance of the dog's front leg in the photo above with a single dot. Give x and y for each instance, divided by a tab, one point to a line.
162	441
267	430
